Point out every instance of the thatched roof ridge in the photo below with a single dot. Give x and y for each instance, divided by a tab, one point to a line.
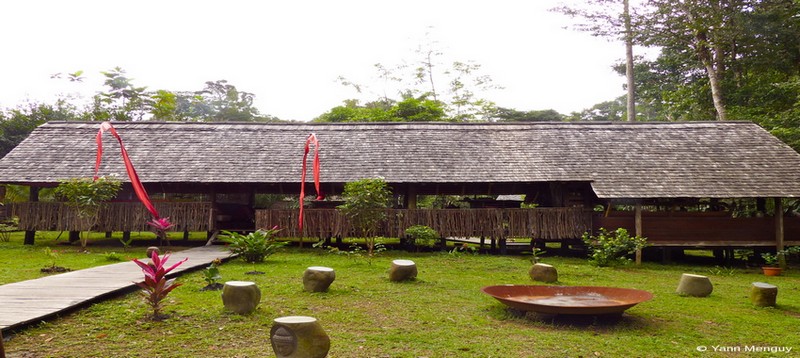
621	160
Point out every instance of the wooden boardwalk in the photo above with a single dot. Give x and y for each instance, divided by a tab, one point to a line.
31	301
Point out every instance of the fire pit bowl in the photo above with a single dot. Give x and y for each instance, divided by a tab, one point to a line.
572	300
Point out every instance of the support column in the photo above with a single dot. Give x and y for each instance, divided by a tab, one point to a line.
638	224
779	234
30	235
411	197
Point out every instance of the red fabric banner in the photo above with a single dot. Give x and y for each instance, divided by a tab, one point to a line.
312	138
138	188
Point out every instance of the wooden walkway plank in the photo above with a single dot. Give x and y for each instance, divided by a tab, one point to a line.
26	302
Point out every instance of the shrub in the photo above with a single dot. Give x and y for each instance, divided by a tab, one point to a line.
365	206
255	246
609	248
86	196
7	227
155	286
422	235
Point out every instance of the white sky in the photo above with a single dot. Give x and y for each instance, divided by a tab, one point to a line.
289	53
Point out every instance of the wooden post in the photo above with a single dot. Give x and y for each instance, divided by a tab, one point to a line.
779	234
30	235
411	197
638	224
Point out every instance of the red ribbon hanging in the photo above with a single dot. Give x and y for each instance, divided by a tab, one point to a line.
312	138
138	188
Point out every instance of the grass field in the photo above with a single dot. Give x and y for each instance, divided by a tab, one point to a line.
441	314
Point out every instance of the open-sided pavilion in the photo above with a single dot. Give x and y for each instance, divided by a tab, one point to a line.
683	182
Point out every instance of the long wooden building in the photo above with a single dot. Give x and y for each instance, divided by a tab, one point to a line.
682	181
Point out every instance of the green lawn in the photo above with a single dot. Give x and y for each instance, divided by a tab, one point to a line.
441	314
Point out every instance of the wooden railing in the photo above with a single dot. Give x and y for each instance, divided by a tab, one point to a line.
113	216
539	223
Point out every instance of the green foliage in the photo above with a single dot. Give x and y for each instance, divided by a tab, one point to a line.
156	286
164	106
462	249
86	196
364	205
112	256
211	273
423	236
126	243
513	115
355	251
122	101
16	124
771	259
255	246
7	227
52	255
611	248
536	254
410	109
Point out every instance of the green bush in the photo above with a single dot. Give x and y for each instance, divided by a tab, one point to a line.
610	248
255	246
422	235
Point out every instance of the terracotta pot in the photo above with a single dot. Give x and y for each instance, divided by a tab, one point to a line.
771	271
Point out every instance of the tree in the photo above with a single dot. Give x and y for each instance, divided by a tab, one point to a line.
123	101
513	115
365	202
165	106
228	103
605	111
409	109
612	19
16	124
729	59
86	197
454	86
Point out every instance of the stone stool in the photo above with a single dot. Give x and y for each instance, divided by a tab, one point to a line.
543	273
299	337
241	297
694	285
150	251
402	270
318	278
763	294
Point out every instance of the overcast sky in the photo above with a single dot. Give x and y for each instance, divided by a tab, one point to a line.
290	53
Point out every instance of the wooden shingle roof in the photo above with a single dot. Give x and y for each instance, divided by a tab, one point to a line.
621	160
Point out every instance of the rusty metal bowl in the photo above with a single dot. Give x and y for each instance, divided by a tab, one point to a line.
571	300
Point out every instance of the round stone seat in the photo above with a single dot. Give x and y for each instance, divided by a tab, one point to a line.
694	285
402	270
318	278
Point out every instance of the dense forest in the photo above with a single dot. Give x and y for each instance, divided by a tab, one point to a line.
717	60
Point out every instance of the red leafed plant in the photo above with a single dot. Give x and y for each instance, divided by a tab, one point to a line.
155	286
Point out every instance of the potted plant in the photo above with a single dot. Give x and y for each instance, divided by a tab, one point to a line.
771	261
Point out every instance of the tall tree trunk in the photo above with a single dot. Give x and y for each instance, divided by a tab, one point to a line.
626	14
711	64
712	71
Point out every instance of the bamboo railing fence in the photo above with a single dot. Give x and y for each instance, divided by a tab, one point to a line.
538	223
113	216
